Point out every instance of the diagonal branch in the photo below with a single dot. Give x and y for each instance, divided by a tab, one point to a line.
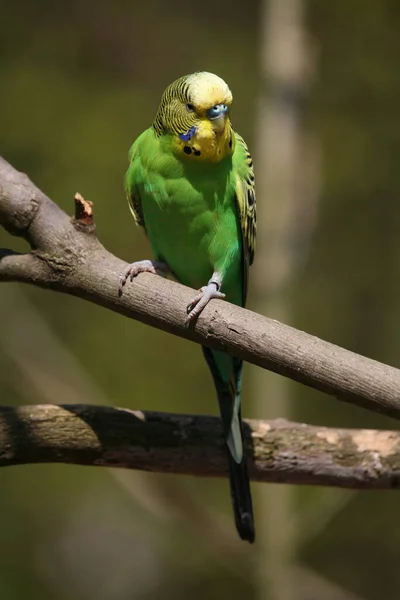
278	451
66	256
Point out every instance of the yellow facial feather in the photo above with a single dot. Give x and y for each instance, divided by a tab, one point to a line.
213	139
207	144
183	112
207	90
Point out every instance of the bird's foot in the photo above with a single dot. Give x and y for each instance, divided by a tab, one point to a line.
199	302
141	266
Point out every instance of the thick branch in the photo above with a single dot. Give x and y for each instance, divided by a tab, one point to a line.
277	451
66	256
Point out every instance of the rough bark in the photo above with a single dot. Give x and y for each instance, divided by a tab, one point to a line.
66	256
278	450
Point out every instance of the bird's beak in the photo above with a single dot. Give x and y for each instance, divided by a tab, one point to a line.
219	123
218	115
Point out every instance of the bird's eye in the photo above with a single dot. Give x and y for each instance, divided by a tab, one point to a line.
190	107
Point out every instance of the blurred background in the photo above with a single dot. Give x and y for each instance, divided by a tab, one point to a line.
317	97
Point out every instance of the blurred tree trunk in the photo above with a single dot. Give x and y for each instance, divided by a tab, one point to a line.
286	192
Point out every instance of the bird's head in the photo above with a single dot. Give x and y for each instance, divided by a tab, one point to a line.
195	110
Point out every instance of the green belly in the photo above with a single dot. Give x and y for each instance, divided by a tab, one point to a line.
193	226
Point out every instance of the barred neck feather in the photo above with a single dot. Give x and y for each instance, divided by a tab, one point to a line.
166	114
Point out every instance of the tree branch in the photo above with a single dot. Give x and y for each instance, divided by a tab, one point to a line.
67	257
278	451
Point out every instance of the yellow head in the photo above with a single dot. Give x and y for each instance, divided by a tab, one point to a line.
195	111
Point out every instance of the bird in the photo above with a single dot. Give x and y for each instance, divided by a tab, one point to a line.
190	185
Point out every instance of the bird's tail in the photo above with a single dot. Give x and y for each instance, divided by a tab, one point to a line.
227	374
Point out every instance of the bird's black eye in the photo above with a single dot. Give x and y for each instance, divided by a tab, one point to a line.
190	107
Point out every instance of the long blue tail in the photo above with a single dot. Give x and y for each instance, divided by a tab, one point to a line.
228	390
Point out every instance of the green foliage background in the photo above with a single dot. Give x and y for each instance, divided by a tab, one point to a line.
78	82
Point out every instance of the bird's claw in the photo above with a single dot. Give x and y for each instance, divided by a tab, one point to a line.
199	302
140	266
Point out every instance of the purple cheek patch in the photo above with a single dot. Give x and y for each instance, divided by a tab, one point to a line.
186	137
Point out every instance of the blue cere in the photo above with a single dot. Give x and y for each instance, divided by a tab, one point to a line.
219	110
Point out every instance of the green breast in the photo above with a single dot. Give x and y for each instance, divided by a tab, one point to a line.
190	214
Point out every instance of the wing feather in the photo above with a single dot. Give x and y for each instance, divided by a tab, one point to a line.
132	192
246	203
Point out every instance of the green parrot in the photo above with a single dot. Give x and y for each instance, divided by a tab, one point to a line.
190	185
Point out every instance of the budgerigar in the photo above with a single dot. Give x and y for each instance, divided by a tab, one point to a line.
190	185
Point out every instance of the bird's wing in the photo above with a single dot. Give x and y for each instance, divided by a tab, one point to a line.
132	191
246	203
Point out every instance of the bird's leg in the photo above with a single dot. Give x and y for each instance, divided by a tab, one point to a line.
141	266
206	293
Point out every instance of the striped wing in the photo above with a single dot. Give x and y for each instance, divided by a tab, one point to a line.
246	201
